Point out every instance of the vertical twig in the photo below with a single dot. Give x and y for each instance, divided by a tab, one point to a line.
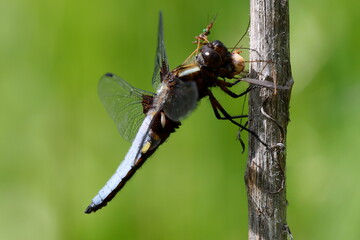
268	116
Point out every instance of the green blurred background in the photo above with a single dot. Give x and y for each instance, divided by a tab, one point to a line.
58	146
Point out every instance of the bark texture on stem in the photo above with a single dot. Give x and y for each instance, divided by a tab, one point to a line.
268	117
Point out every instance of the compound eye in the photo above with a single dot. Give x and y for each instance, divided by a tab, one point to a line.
211	57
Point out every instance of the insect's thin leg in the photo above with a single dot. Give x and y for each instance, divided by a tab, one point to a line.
201	39
238	137
198	47
192	54
227	84
251	49
232	117
196	51
217	107
224	86
214	104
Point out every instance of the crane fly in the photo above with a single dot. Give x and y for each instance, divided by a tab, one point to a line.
147	119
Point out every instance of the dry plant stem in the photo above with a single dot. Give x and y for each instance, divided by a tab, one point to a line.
268	117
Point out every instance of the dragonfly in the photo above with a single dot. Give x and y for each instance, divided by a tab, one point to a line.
147	119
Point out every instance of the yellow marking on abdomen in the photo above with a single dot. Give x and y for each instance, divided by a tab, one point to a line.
146	147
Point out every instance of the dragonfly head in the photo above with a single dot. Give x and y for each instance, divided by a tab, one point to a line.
209	57
216	57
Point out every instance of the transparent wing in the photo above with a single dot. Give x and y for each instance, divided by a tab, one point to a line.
161	63
181	100
123	102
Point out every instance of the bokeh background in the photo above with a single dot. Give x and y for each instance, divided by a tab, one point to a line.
58	146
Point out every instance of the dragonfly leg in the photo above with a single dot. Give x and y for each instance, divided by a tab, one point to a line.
225	87
218	108
231	117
